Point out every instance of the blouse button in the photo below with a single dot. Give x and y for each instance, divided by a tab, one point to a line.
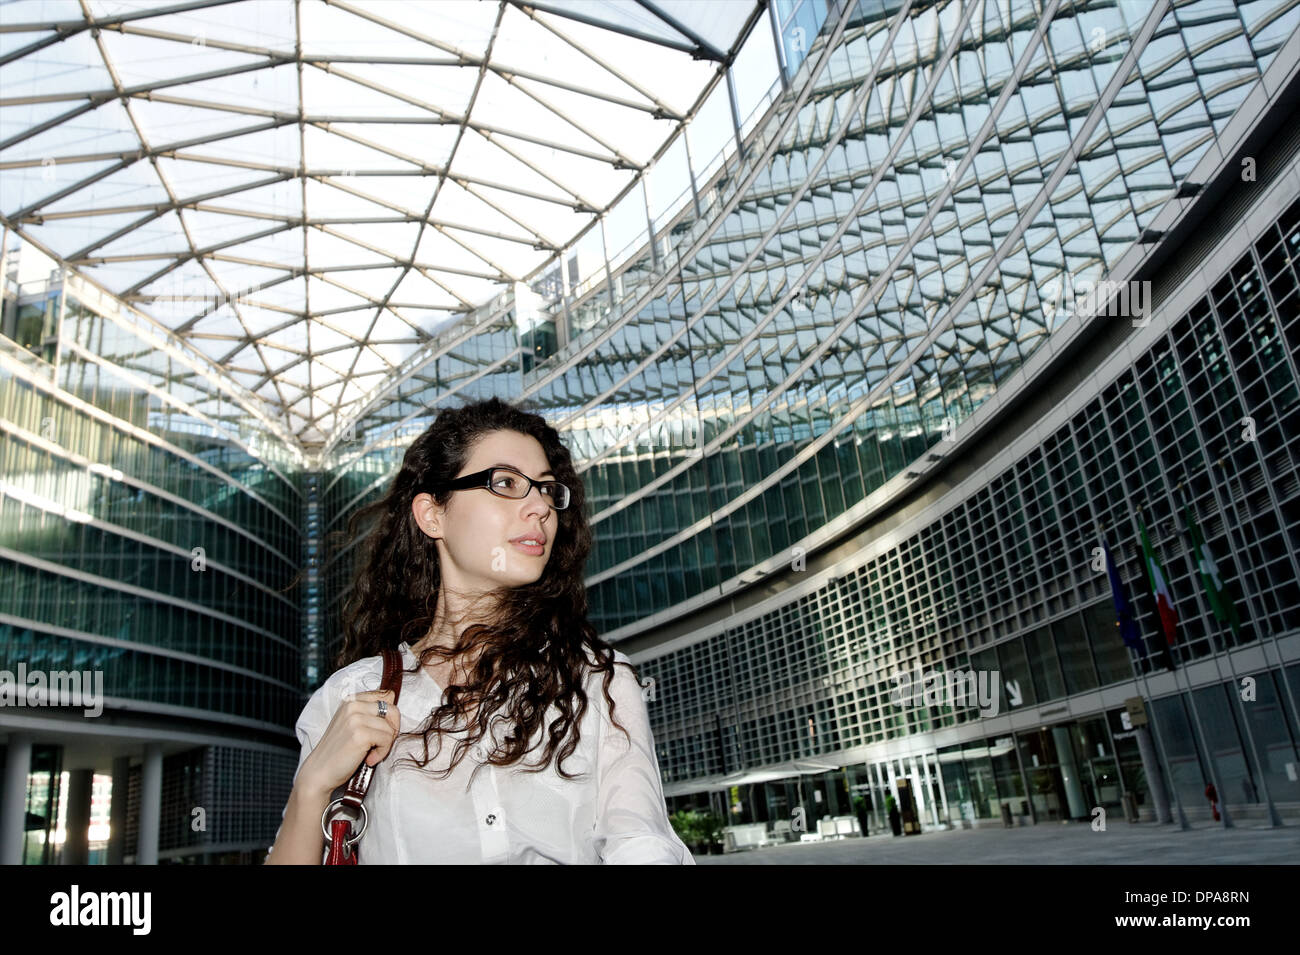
492	817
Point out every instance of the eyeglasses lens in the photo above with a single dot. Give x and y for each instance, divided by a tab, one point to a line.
510	484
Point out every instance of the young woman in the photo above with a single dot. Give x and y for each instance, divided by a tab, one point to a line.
473	570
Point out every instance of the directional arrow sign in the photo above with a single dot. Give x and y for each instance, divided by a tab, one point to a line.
1013	691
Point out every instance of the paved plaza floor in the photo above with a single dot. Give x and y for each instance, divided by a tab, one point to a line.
1249	843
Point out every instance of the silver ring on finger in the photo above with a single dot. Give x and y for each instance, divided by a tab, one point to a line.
383	708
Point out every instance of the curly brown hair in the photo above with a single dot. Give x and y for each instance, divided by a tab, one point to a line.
533	643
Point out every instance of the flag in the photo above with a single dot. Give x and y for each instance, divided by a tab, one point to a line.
1166	656
1159	587
1225	611
1124	619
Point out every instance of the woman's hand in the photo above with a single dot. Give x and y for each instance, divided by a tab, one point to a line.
356	732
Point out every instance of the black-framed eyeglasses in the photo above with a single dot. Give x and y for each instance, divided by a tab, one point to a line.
507	482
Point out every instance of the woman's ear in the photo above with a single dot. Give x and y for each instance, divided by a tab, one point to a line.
427	513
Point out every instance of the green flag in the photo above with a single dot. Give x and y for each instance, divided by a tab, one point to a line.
1215	591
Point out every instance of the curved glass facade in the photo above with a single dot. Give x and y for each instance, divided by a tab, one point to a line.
132	517
1004	580
884	274
150	542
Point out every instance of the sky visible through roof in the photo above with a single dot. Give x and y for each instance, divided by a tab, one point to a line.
308	191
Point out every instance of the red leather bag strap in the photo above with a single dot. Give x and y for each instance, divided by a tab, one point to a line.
360	780
341	839
339	831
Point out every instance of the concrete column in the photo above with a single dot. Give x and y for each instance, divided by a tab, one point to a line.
878	797
942	808
146	852
117	810
76	839
1078	806
1155	778
13	798
921	798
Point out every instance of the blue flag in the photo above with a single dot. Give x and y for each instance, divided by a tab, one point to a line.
1124	618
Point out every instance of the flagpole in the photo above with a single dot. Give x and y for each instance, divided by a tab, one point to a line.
1200	727
1160	743
1274	819
1162	752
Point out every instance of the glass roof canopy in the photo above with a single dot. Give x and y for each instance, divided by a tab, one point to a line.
307	191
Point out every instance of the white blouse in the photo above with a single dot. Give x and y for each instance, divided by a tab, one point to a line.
614	813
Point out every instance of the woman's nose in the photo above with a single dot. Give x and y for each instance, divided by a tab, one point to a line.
534	499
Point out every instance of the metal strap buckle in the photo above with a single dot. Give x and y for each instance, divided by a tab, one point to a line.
329	810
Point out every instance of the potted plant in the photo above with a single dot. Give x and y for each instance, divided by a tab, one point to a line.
895	817
686	823
861	807
710	832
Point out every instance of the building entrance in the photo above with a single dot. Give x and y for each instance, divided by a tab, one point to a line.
1052	774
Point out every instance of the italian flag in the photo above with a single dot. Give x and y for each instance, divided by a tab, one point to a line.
1220	602
1160	587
